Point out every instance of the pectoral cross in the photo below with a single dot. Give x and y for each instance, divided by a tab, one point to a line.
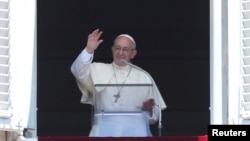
117	96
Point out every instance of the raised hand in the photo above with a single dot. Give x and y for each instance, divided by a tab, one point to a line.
94	41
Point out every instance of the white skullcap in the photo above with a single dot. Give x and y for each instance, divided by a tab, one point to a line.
128	36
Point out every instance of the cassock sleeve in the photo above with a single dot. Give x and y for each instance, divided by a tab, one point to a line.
81	71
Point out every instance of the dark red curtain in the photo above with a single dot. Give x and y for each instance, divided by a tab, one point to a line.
164	138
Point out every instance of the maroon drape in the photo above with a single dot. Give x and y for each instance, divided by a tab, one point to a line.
163	138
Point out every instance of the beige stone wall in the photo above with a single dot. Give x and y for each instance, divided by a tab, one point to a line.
8	136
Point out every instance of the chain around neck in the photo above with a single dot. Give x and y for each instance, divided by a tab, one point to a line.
117	96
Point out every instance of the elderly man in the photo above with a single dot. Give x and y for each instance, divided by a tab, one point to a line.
118	98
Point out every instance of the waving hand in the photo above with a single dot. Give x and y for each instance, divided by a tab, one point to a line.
94	41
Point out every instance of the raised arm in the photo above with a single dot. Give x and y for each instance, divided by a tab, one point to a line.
81	66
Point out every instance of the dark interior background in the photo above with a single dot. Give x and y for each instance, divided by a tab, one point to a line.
173	46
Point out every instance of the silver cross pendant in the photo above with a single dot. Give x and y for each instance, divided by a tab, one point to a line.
117	96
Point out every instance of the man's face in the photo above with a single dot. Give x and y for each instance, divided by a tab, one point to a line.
123	49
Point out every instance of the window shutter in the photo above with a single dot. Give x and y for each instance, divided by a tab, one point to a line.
5	96
245	65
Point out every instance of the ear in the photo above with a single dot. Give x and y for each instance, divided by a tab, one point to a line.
134	52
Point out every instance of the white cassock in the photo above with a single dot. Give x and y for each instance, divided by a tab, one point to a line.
133	121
